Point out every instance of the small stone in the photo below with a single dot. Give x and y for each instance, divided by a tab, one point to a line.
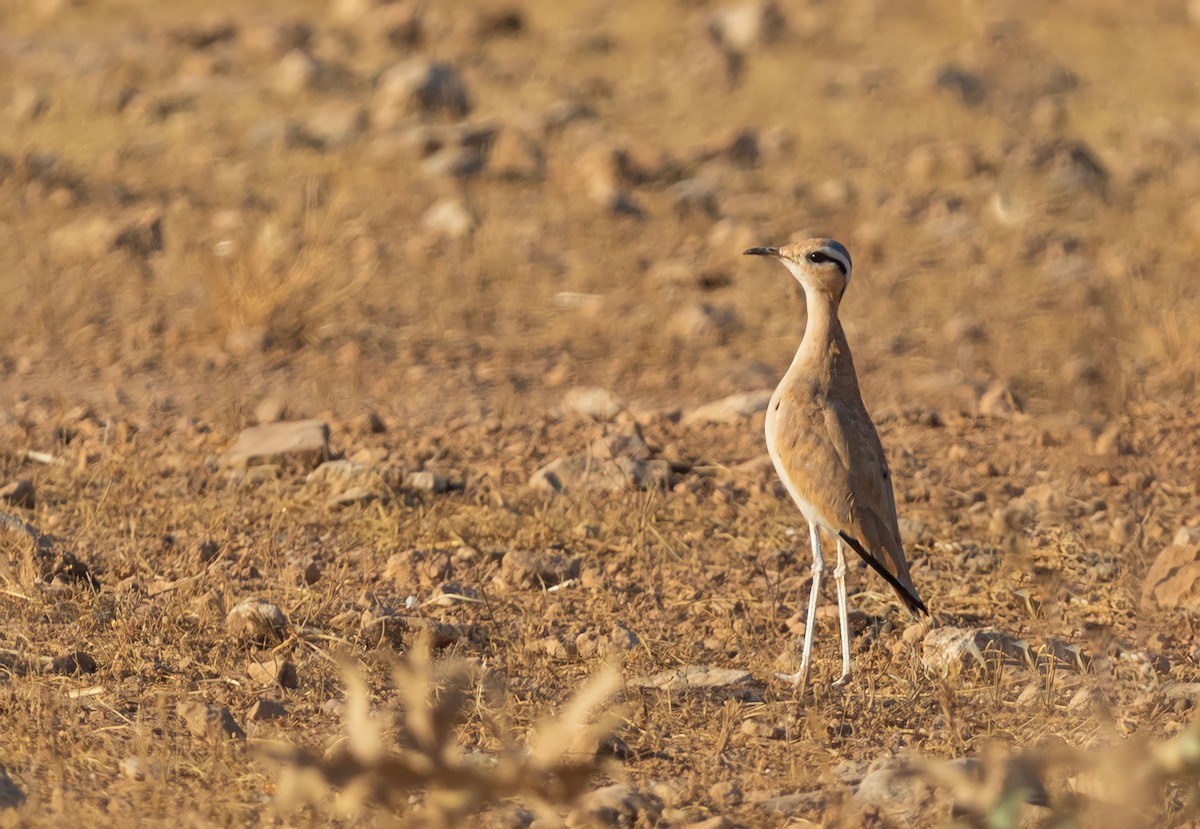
20	493
515	156
419	85
999	401
624	639
523	568
401	631
730	409
604	182
789	804
449	594
311	574
702	322
73	664
740	27
351	496
695	195
618	805
894	791
449	220
554	647
969	87
302	441
255	620
952	649
693	677
209	721
270	410
331	126
594	402
1186	535
131	768
11	795
1173	580
435	483
296	73
265	709
726	793
274	671
762	730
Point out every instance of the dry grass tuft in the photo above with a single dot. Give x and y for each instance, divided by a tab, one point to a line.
372	766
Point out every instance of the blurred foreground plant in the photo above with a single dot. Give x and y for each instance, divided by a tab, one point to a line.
1134	783
439	697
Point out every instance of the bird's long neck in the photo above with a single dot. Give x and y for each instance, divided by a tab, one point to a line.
824	355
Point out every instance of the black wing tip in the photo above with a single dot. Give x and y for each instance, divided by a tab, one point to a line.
911	600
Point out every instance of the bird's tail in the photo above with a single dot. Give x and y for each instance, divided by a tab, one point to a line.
907	593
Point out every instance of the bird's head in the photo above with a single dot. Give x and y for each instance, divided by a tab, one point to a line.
821	265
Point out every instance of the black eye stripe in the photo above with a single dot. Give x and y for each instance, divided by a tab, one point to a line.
818	257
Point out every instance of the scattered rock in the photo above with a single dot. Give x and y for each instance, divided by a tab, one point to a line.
136	769
522	568
952	649
20	493
619	805
435	483
331	126
351	496
762	730
274	671
419	85
257	621
301	441
270	409
695	677
738	29
337	473
618	462
600	169
797	802
210	722
969	87
726	793
703	322
265	709
297	72
594	402
1173	580
448	219
895	791
695	195
515	156
1186	535
999	401
73	664
400	631
11	795
730	409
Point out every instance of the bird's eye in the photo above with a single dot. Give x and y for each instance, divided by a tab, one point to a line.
817	257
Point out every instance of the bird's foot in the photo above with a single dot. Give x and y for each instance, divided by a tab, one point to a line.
797	680
843	680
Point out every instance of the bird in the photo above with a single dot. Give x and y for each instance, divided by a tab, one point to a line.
826	450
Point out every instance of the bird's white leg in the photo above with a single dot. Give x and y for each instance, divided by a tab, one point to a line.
839	577
800	678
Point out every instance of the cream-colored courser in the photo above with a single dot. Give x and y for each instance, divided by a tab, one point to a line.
825	447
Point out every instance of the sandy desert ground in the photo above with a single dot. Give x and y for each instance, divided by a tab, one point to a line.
480	263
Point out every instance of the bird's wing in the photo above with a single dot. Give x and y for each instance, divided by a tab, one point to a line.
872	528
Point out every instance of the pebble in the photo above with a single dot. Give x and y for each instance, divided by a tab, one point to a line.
302	441
209	721
257	621
274	671
20	493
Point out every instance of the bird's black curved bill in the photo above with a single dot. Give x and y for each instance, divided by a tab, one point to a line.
761	252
